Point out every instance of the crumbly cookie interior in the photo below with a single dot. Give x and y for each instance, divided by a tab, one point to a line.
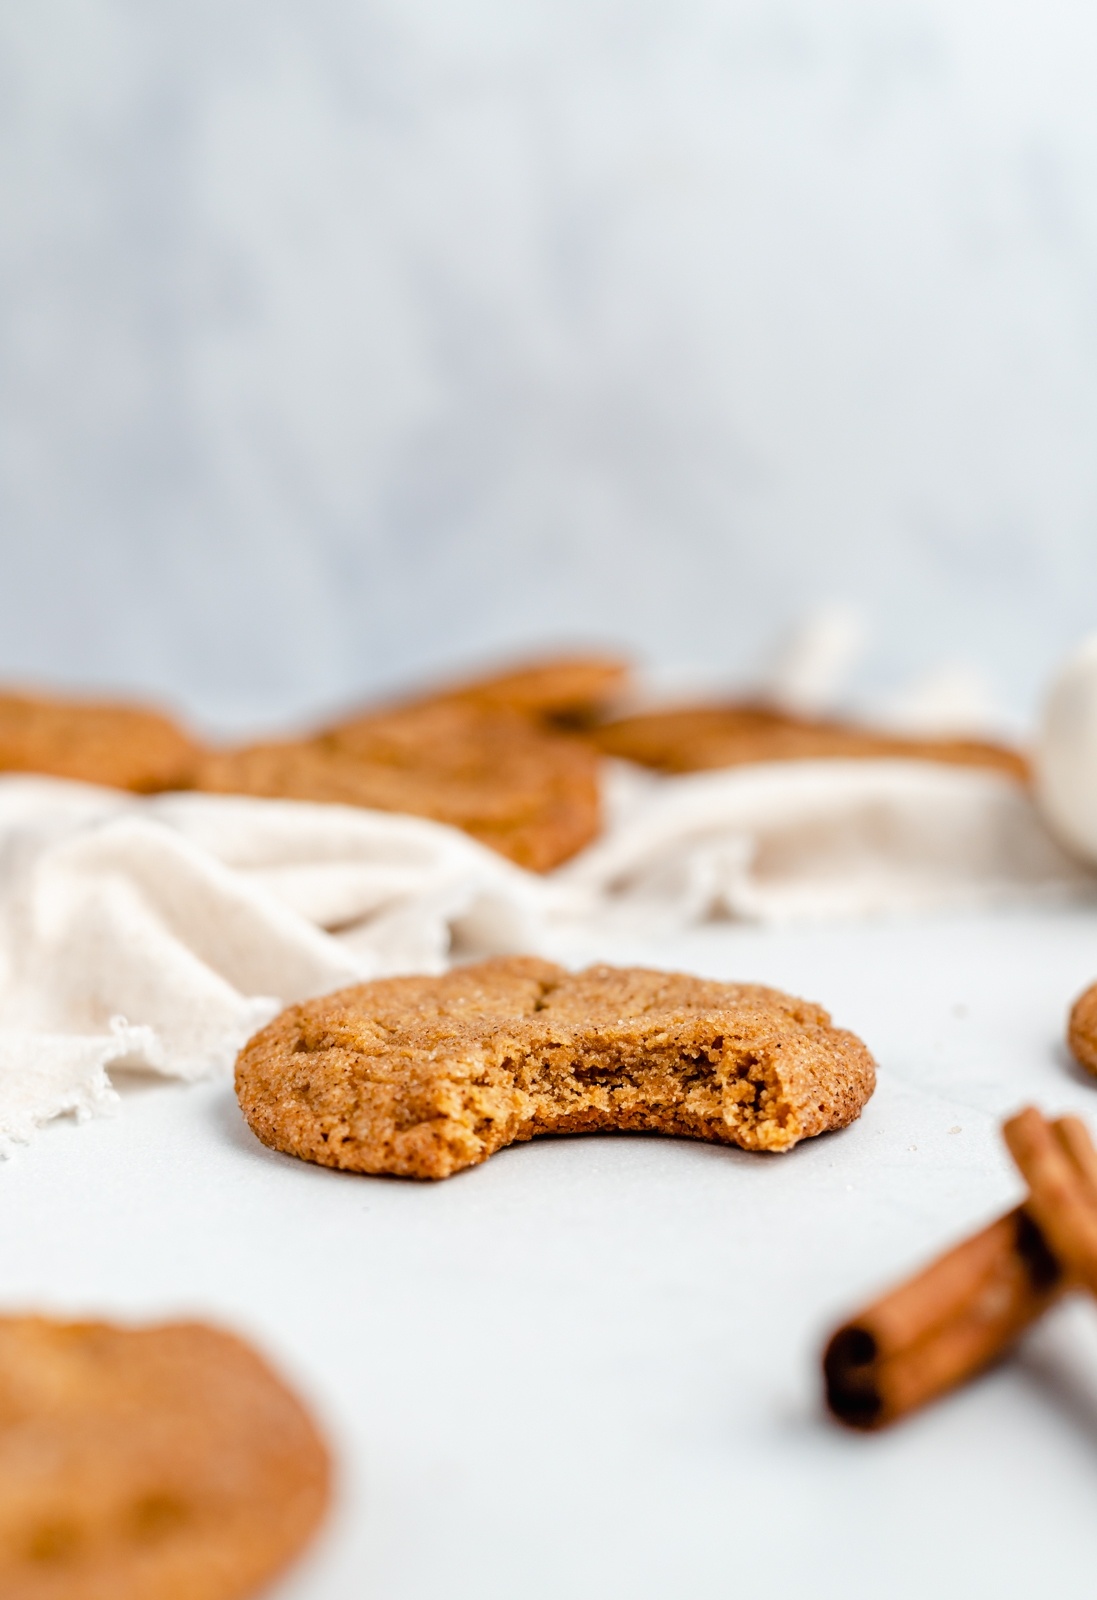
696	1080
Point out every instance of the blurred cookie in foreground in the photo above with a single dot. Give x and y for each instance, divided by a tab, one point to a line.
530	794
419	1077
158	1463
567	691
1082	1030
698	738
121	746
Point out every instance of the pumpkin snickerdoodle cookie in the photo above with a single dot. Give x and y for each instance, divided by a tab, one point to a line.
488	755
1082	1030
122	746
419	1077
524	791
560	691
699	738
156	1463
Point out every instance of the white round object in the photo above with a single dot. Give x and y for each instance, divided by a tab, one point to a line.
1066	754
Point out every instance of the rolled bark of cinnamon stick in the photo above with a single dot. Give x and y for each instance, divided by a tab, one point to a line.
952	1320
1057	1161
1074	1137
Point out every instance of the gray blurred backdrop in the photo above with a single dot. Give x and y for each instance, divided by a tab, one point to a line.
343	340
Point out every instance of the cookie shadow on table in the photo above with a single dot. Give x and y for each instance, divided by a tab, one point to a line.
231	1129
136	1082
229	1124
629	1157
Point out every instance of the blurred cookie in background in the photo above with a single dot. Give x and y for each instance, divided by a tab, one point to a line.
567	691
698	738
528	793
121	746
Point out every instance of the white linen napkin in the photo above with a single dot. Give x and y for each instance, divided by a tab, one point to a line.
807	840
160	933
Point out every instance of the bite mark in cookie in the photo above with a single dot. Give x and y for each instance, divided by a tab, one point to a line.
420	1077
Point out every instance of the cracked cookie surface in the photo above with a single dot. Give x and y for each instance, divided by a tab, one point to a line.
157	1463
420	1077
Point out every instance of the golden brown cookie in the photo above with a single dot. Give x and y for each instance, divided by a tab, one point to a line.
159	1463
419	1077
528	793
124	747
563	691
1082	1032
696	738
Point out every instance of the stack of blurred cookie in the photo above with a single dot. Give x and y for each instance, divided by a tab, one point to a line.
511	758
497	757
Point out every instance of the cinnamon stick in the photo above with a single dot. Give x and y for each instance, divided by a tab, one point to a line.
1074	1137
965	1310
950	1321
1057	1161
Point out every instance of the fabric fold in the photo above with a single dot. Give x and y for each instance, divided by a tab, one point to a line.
160	933
808	840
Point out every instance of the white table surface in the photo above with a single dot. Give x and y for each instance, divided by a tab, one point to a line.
590	1367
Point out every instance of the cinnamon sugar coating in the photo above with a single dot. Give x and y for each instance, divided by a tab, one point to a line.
420	1077
698	738
122	746
526	792
1082	1030
158	1463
